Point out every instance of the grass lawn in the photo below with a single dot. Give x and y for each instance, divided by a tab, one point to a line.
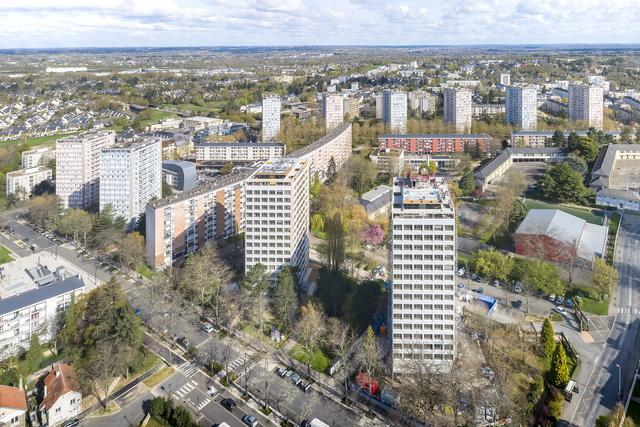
319	234
155	423
266	339
5	255
593	216
159	376
36	141
593	306
144	270
207	107
319	361
157	115
634	412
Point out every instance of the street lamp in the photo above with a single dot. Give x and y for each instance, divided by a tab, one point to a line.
619	381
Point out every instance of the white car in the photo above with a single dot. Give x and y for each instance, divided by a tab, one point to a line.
518	287
461	271
560	310
552	297
211	390
207	327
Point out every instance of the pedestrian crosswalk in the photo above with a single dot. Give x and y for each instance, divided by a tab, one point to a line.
202	403
188	369
629	310
184	390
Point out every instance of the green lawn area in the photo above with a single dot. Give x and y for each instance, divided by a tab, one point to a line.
144	270
36	141
159	376
319	361
266	339
207	107
319	234
5	255
593	306
593	216
157	116
155	423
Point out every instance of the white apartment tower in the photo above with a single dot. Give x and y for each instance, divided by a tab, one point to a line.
586	104
270	117
505	79
522	107
277	216
423	304
332	110
78	167
458	108
394	111
130	176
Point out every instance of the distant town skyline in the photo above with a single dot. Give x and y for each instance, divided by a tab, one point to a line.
160	23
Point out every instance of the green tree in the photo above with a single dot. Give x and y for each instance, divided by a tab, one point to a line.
131	250
604	277
317	222
309	331
359	173
578	164
166	189
255	281
315	187
543	276
559	374
563	184
433	167
44	211
284	299
467	182
226	169
558	139
332	170
491	263
77	223
547	338
33	356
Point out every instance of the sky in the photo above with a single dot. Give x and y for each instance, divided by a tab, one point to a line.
129	23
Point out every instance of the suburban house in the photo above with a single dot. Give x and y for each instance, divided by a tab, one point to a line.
13	406
62	398
557	236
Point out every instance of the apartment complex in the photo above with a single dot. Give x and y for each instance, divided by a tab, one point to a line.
238	151
38	157
277	216
183	223
34	312
351	106
478	111
541	139
271	106
78	167
422	101
457	108
22	182
394	110
422	305
335	145
522	107
180	175
505	79
332	110
130	176
586	104
436	143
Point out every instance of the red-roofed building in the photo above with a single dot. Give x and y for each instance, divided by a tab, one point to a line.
62	396
13	406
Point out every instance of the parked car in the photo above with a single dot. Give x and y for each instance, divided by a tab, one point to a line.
461	271
281	372
497	283
211	390
516	304
295	378
559	299
518	287
229	404
304	386
250	420
476	278
480	290
552	297
71	423
137	311
207	327
569	302
560	310
183	341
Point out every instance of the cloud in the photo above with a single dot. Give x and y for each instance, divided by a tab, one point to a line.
45	23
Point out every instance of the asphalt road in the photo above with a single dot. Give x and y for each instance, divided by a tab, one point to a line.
622	345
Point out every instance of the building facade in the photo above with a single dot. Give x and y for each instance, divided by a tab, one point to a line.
22	182
586	103
130	176
436	143
277	216
422	101
505	79
238	151
351	106
13	406
34	312
394	110
458	108
78	168
541	139
522	107
332	110
38	157
271	106
62	395
335	145
422	302
180	175
183	223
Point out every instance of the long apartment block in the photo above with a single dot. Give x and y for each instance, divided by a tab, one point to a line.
183	223
422	301
238	151
436	143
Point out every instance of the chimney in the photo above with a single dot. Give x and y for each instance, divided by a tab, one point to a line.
44	392
20	383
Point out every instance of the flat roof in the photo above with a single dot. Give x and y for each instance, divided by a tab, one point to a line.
29	171
507	153
238	144
377	192
438	135
337	131
43	293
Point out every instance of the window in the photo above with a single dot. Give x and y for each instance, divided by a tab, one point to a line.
58	409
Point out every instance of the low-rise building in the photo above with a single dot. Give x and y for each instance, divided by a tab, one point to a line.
183	223
198	123
34	312
436	143
22	182
38	157
13	406
618	199
541	139
180	175
377	201
478	111
62	395
238	151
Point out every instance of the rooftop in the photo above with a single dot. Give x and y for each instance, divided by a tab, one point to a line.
338	130
438	135
607	157
494	164
553	223
379	191
420	190
13	398
60	380
239	144
43	293
29	171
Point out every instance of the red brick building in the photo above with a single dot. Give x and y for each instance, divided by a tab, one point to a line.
436	143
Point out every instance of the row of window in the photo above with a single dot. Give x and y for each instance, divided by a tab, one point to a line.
423	227
422	287
440	307
420	248
427	277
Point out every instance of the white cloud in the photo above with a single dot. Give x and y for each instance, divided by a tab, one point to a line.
43	23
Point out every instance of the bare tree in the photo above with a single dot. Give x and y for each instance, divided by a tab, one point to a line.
340	339
369	359
309	331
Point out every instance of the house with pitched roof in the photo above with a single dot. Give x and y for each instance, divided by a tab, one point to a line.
62	397
13	406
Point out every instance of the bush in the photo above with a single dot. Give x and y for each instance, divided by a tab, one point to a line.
163	410
556	402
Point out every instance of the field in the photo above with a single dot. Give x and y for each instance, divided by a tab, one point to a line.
5	255
157	116
214	106
36	141
319	361
593	216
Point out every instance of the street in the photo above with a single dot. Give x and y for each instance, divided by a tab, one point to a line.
611	377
